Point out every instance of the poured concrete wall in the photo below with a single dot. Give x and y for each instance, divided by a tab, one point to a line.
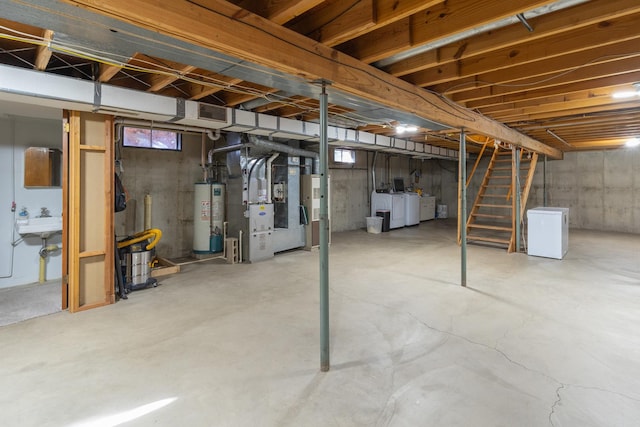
168	176
351	185
601	189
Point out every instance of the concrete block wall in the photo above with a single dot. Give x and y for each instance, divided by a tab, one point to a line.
601	189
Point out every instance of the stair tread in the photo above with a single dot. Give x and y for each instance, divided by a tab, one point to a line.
482	215
488	239
488	205
491	227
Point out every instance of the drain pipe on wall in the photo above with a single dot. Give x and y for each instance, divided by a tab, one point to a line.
44	254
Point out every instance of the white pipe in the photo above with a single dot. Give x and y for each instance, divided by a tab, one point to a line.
268	173
213	135
202	165
240	247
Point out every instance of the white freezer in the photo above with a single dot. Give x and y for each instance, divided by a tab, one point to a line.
548	232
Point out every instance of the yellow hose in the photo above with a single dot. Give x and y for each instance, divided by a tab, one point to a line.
143	235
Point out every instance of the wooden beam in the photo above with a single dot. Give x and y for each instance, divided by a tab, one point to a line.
168	71
607	69
605	34
217	24
533	92
565	95
43	53
107	72
213	84
547	25
279	11
435	23
339	22
564	108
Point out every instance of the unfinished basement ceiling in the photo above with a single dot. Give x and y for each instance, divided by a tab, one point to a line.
546	69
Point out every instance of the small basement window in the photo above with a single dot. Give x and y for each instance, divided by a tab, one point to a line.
151	138
342	155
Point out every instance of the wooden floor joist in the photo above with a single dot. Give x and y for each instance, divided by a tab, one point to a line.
216	24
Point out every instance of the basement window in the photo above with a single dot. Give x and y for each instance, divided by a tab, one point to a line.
342	155
151	138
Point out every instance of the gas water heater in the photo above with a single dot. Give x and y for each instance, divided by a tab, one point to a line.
208	218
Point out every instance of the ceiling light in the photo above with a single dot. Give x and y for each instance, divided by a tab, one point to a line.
625	94
406	128
632	142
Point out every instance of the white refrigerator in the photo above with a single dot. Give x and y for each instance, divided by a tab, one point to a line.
548	232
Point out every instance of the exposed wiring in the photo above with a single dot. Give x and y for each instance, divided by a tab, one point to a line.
545	80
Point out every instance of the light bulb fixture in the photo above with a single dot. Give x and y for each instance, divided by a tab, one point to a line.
624	94
406	128
632	142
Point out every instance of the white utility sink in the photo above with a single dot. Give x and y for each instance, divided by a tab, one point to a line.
43	226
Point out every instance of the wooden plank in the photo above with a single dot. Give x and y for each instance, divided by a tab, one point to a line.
43	52
165	268
107	72
74	211
490	227
216	25
338	22
488	239
590	13
576	41
438	22
591	72
89	254
92	148
279	11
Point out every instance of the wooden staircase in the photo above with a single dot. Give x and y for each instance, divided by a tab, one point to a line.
491	220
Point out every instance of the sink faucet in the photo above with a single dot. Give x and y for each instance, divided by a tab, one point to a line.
44	213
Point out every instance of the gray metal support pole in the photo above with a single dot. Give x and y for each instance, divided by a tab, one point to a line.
544	182
462	182
517	195
324	233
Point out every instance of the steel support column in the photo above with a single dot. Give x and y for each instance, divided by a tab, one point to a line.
462	182
324	233
517	195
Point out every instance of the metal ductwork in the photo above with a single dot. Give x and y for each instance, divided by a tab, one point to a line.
283	148
50	90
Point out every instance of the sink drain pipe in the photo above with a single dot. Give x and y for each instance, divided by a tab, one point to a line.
45	251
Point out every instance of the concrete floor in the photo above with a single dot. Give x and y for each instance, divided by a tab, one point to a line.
530	342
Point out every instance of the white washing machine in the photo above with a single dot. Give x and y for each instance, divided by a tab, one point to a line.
411	209
394	202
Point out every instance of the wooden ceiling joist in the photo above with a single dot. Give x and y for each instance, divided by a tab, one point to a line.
545	26
438	22
575	41
217	24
